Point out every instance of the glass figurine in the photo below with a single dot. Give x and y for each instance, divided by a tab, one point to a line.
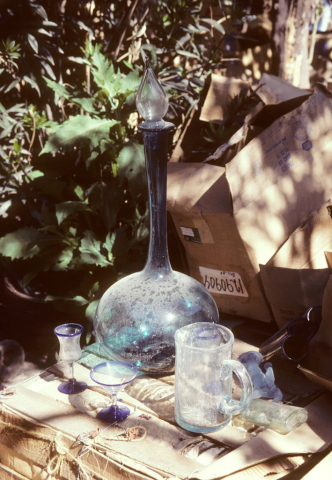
137	317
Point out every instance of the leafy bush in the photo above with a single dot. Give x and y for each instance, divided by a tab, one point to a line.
73	196
88	202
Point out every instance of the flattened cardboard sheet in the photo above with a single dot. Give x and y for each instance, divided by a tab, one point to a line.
322	470
311	437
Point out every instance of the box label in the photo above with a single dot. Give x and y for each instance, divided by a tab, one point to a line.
307	145
302	128
191	234
219	281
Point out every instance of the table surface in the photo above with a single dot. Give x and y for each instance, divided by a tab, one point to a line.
149	443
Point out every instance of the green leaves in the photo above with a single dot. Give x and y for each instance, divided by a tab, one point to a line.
54	252
90	310
33	42
109	244
131	165
187	54
79	131
33	84
90	249
63	259
27	242
58	88
130	82
64	209
214	24
81	99
85	102
106	200
34	174
112	84
23	243
4	206
103	73
50	251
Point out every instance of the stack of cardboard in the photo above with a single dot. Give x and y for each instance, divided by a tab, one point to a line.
258	233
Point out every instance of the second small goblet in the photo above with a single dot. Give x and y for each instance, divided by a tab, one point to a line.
114	376
69	336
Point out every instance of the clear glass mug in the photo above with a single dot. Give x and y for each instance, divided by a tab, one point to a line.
203	378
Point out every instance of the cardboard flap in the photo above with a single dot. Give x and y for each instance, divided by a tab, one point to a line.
274	90
258	119
193	187
282	176
328	256
320	352
306	247
291	292
221	91
268	114
234	142
287	286
317	379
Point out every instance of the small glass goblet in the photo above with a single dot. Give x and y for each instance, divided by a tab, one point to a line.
114	376
69	336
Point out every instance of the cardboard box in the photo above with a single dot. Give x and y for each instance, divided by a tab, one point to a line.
282	176
213	105
199	203
40	431
234	220
278	98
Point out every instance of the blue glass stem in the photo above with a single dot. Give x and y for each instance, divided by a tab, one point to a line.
156	146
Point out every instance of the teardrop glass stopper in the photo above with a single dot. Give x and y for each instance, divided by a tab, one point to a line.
151	99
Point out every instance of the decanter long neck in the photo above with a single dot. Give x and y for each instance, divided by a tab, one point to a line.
155	145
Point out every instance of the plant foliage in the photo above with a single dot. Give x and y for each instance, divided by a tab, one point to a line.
73	197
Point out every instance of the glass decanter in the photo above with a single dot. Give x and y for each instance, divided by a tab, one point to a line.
137	317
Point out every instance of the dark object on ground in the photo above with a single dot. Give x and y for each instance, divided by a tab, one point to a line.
12	357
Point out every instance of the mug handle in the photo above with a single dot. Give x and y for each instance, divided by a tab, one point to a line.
227	404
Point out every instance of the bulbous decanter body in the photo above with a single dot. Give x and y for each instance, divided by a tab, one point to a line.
137	317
